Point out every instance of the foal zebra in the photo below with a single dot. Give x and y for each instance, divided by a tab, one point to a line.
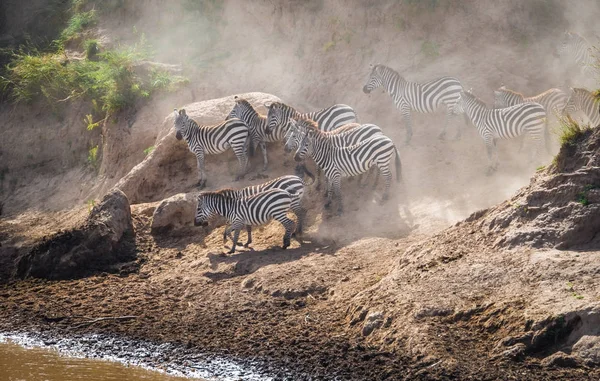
411	96
582	99
327	119
553	100
502	123
577	49
338	162
257	209
289	183
210	140
257	124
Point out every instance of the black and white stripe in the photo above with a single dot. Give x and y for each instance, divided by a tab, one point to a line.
211	140
326	119
338	162
257	124
408	96
584	101
253	210
504	123
578	50
553	100
289	183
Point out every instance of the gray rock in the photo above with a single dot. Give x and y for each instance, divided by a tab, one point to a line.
560	359
101	243
588	349
174	213
374	320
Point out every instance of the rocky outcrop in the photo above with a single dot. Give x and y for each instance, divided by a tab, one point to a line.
103	242
171	168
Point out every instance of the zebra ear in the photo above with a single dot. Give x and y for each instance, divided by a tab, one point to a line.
236	97
268	104
182	112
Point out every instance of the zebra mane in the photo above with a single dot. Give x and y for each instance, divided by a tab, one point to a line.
308	124
244	103
224	192
505	90
471	97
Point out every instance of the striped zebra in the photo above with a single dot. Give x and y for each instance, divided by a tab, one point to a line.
584	101
503	123
338	162
345	136
327	119
257	124
211	140
579	51
553	100
253	210
408	96
289	183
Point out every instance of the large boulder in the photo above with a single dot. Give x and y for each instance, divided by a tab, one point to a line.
174	214
171	168
103	242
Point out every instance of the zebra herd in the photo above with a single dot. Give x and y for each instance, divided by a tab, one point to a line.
341	147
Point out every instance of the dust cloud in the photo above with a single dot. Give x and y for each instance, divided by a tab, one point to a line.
316	53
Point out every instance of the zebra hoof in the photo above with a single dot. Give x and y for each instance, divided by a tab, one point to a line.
247	244
231	251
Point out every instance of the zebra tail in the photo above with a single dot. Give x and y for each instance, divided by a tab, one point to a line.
250	145
398	167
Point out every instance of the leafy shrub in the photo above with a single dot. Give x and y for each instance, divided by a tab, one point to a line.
570	131
77	24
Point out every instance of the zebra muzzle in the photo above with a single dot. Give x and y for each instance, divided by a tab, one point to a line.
200	223
366	90
178	135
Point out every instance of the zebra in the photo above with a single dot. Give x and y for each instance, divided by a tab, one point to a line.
257	209
502	123
257	124
289	183
553	100
582	99
577	49
210	140
421	97
338	162
345	136
327	119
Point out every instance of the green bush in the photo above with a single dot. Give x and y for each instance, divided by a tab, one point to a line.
77	24
570	131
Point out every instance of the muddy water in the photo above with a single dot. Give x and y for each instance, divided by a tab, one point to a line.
38	364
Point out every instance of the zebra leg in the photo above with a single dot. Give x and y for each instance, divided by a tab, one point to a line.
290	227
242	157
263	147
384	170
318	186
490	146
336	187
376	176
249	231
300	213
407	123
236	227
201	171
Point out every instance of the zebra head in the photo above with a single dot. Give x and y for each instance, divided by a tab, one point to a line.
501	97
203	212
574	101
274	116
307	131
292	136
181	121
375	80
568	43
234	111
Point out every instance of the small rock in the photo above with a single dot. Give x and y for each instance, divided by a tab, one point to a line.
345	279
373	321
248	283
560	359
516	352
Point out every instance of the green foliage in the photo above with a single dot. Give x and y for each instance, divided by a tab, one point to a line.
91	49
163	80
91	203
77	24
430	49
571	289
89	121
582	197
570	131
149	150
541	168
329	45
92	158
